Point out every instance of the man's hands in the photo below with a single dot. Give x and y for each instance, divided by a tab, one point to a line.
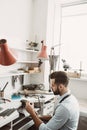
29	107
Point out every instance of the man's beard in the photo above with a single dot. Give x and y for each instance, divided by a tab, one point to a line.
57	92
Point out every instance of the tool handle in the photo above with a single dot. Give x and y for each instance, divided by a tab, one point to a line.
4	87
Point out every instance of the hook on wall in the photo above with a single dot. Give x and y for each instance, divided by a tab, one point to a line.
16	78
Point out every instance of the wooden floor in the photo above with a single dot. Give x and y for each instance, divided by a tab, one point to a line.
82	123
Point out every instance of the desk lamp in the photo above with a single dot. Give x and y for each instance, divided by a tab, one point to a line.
43	54
6	56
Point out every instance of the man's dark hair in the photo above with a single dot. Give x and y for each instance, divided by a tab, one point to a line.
60	77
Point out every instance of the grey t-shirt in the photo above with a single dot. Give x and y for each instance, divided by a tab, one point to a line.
66	115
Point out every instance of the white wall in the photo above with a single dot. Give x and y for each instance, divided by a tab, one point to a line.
39	19
21	20
16	21
16	27
79	88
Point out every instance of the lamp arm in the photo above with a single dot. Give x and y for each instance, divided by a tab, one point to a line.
56	45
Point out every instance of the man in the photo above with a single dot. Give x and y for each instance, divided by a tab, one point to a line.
66	113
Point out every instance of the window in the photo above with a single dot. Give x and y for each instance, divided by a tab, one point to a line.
74	36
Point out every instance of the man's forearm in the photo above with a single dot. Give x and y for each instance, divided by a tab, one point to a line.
45	117
36	119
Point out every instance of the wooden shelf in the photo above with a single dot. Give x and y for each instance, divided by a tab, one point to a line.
22	61
26	50
11	74
17	73
27	61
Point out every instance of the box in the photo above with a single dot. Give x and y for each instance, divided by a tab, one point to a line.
73	74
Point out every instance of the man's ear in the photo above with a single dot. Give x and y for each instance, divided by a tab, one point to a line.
61	86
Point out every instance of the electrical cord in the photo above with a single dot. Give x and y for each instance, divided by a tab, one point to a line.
4	100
